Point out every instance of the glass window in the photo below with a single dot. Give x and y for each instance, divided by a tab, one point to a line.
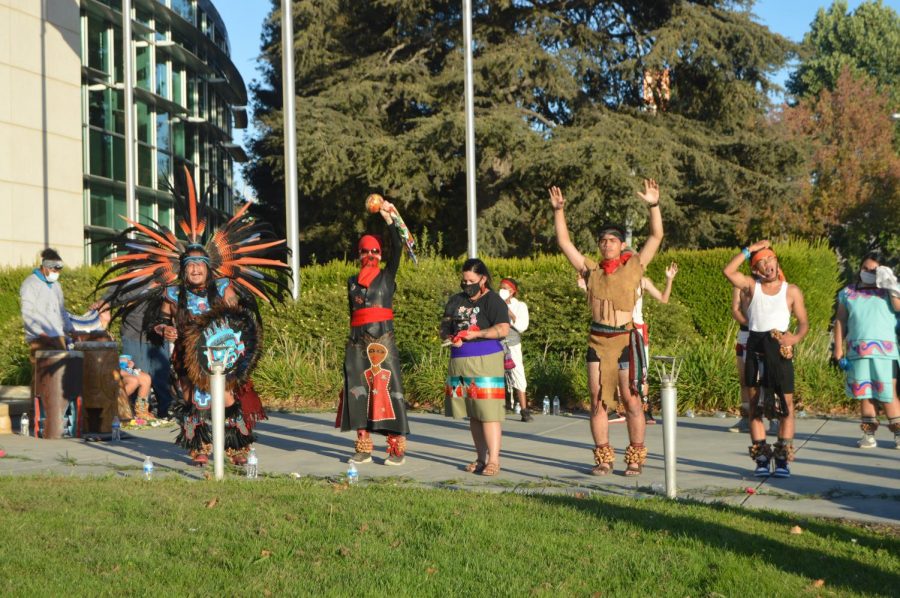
117	53
165	213
185	8
105	111
99	249
162	76
107	155
142	67
201	100
192	95
178	140
177	78
145	165
145	210
98	44
143	122
106	208
162	131
163	170
190	144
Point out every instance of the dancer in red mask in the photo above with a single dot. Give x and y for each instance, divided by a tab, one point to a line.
372	399
615	354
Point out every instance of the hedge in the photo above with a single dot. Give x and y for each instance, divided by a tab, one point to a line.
302	363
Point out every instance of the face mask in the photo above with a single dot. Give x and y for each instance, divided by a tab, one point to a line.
470	289
867	277
54	276
504	294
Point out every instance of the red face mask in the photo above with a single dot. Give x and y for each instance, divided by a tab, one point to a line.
369	256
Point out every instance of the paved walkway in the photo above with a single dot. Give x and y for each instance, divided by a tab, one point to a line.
832	477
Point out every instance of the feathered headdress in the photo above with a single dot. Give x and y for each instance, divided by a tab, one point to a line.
148	258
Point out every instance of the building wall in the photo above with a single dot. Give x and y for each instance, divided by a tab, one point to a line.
41	196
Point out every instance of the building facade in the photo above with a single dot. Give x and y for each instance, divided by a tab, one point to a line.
188	98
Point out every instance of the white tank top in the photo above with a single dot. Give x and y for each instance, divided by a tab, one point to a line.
637	316
769	312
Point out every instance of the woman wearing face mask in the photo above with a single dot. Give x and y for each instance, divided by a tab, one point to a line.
474	322
372	399
865	345
518	316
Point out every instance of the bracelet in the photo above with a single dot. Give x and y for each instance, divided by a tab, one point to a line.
746	252
653	205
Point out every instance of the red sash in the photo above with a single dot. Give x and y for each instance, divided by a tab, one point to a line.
370	315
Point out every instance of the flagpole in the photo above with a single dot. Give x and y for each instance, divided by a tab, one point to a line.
290	142
471	201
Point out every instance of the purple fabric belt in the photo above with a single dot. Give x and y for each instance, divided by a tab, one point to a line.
476	349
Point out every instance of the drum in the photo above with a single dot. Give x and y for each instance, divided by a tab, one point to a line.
57	383
104	397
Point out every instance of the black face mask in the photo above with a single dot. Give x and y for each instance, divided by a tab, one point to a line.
470	289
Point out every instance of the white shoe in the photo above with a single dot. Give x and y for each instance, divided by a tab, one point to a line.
867	441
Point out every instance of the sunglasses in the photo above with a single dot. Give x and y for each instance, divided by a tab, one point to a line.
370	252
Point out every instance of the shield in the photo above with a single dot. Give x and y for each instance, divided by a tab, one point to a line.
229	335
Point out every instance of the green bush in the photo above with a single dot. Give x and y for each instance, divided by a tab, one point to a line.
302	361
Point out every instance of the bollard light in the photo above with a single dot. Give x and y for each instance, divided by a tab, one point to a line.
668	368
217	395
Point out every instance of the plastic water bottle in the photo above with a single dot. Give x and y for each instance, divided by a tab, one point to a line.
518	409
117	430
546	406
148	469
352	474
24	425
555	405
252	464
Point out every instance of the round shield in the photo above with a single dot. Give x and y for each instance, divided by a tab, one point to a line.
227	336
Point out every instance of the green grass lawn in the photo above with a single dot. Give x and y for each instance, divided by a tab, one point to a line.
173	537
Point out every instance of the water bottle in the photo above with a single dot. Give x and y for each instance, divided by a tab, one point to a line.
117	430
546	406
65	431
518	409
252	464
148	469
555	405
23	425
352	474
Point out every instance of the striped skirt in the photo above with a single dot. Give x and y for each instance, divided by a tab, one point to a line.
476	387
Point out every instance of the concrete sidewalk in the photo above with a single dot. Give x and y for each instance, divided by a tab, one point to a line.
831	477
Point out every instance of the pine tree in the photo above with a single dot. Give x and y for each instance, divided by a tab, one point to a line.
558	86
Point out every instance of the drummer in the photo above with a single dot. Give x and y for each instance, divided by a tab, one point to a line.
47	323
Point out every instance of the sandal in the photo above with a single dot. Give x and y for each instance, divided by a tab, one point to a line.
491	469
602	469
475	467
634	469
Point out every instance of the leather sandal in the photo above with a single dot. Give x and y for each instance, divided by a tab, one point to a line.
602	469
491	469
475	467
634	469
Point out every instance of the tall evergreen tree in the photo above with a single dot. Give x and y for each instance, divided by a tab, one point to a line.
558	86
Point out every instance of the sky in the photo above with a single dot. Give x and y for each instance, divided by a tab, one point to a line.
244	20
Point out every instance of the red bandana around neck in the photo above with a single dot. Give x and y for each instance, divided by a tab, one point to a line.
369	263
610	266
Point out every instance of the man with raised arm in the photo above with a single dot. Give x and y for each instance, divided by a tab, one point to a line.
615	355
769	352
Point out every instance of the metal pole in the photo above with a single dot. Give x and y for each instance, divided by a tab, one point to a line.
217	392
128	74
290	141
669	401
471	201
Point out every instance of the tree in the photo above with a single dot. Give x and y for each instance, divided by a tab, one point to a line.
853	194
558	88
866	41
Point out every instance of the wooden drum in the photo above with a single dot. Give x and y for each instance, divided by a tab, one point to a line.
103	394
57	381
